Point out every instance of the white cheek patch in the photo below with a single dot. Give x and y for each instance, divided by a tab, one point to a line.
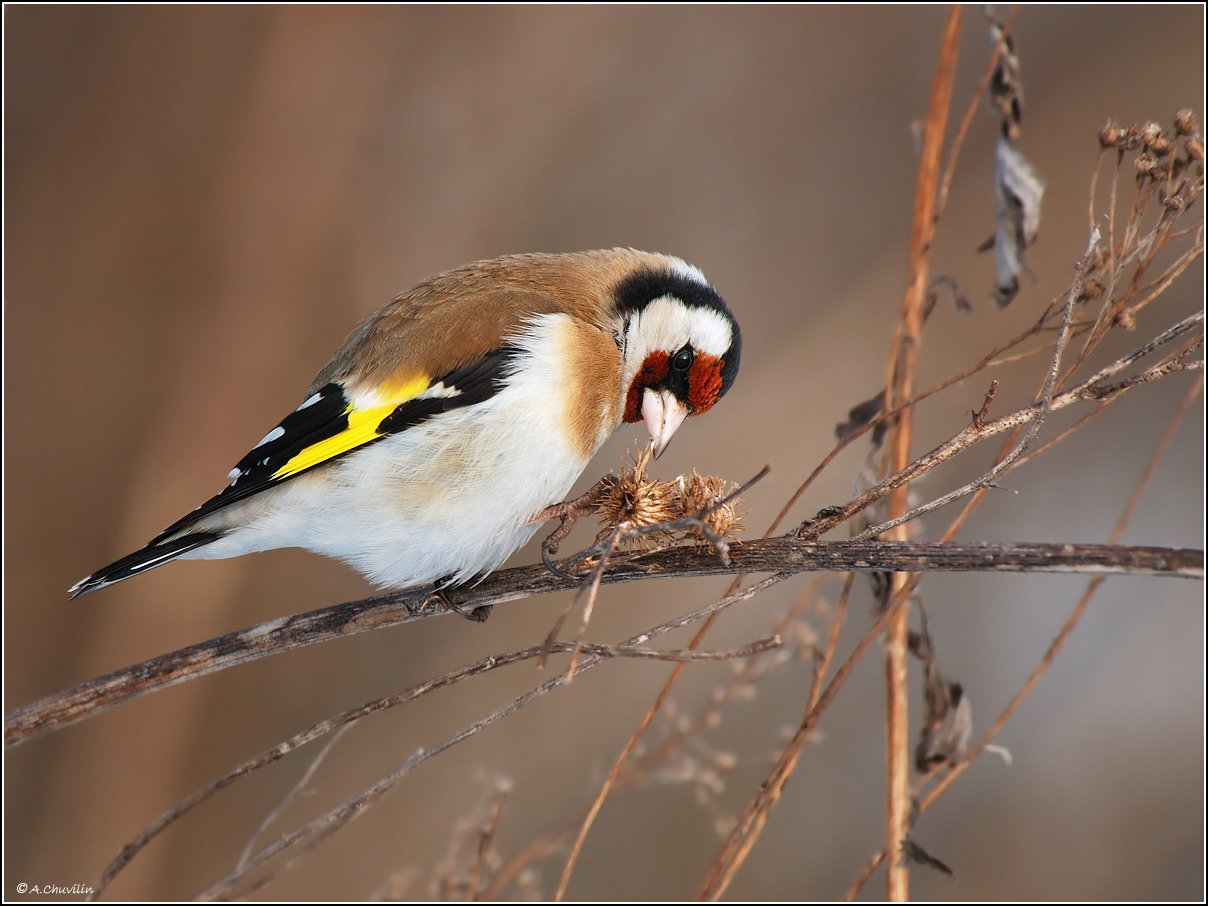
667	324
710	332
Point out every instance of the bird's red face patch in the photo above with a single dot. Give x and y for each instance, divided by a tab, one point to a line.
704	382
654	371
698	389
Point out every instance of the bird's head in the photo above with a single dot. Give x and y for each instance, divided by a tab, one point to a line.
679	343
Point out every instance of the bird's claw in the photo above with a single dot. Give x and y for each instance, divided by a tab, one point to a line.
477	614
569	512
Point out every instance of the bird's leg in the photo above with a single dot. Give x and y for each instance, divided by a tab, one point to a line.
437	595
569	512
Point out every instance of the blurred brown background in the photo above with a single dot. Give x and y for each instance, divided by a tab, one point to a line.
201	202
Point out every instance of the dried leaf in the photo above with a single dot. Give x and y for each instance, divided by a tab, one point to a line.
1020	189
1017	184
959	300
860	415
947	712
915	854
1006	89
947	728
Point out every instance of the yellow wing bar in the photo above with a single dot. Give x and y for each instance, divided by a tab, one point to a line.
362	428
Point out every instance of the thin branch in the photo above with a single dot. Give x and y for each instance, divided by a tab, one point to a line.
1092	388
785	554
1054	648
722	549
1043	406
345	719
617	773
593	589
865	873
537	848
974	103
329	822
743	838
1076	614
903	367
832	644
295	791
485	839
989	360
747	830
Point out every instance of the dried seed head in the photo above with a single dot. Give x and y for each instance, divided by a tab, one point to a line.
1195	148
1126	320
699	492
1160	145
1185	123
1110	135
1093	290
1149	132
1146	164
1129	140
634	499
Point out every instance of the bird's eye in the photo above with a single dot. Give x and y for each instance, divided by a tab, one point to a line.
683	359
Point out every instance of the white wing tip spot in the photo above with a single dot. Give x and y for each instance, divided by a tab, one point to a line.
270	437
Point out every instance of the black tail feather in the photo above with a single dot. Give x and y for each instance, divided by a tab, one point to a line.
151	556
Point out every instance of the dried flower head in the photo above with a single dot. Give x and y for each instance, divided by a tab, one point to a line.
1110	135
1146	164
1185	123
700	492
631	500
1161	145
1149	133
1130	140
1094	289
634	500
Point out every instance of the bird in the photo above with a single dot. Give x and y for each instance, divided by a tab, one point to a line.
452	416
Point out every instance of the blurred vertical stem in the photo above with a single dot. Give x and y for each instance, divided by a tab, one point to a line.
900	384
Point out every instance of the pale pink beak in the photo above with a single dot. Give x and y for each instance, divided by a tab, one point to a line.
663	414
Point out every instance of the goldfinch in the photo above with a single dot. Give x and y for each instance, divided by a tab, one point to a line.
454	414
